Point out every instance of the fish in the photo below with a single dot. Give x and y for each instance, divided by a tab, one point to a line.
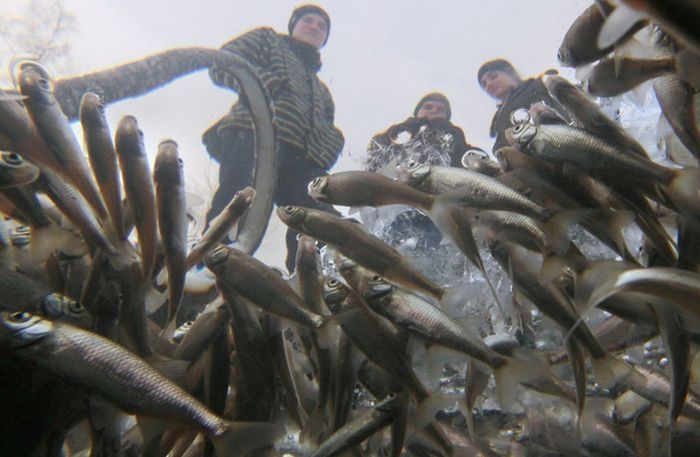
564	144
680	288
256	282
55	129
103	156
15	171
200	333
256	391
220	225
355	432
426	320
138	184
480	162
310	275
523	266
76	209
615	76
371	337
431	323
589	115
676	99
676	17
172	218
353	242
578	46
362	188
107	369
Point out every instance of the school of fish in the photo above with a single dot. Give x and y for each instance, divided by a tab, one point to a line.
121	337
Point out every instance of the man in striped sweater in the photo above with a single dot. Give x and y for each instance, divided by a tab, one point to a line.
309	143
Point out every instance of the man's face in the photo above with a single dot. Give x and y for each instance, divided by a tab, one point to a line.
498	84
432	110
311	29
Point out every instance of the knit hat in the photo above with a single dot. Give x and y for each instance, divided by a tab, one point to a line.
302	11
498	65
434	97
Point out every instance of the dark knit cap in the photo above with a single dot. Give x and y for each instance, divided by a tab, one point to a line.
498	65
434	97
303	10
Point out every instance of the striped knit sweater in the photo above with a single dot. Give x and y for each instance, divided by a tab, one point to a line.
304	108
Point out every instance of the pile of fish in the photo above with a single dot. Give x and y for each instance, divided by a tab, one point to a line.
365	356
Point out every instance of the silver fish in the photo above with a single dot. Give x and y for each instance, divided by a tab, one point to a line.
169	181
103	367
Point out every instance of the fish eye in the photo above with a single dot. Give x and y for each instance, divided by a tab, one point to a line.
218	255
12	158
20	316
288	209
518	128
377	278
75	307
44	84
412	164
519	116
332	282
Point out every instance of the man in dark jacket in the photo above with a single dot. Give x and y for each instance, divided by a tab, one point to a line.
427	137
501	81
309	143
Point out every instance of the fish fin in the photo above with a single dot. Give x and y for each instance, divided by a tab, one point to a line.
327	331
428	408
614	222
315	428
238	438
617	24
609	371
683	192
514	371
556	228
455	297
578	368
583	73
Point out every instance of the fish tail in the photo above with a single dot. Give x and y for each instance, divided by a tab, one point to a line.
614	222
513	372
428	408
238	438
556	228
684	192
315	427
610	371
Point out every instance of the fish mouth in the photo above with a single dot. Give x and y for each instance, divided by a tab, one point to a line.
291	214
333	293
18	328
217	256
317	186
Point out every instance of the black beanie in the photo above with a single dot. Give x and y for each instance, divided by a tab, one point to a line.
303	10
434	97
498	65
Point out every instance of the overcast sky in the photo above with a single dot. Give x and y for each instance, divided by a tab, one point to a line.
381	57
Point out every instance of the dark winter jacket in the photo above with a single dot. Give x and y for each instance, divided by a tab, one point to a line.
524	96
304	108
437	141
